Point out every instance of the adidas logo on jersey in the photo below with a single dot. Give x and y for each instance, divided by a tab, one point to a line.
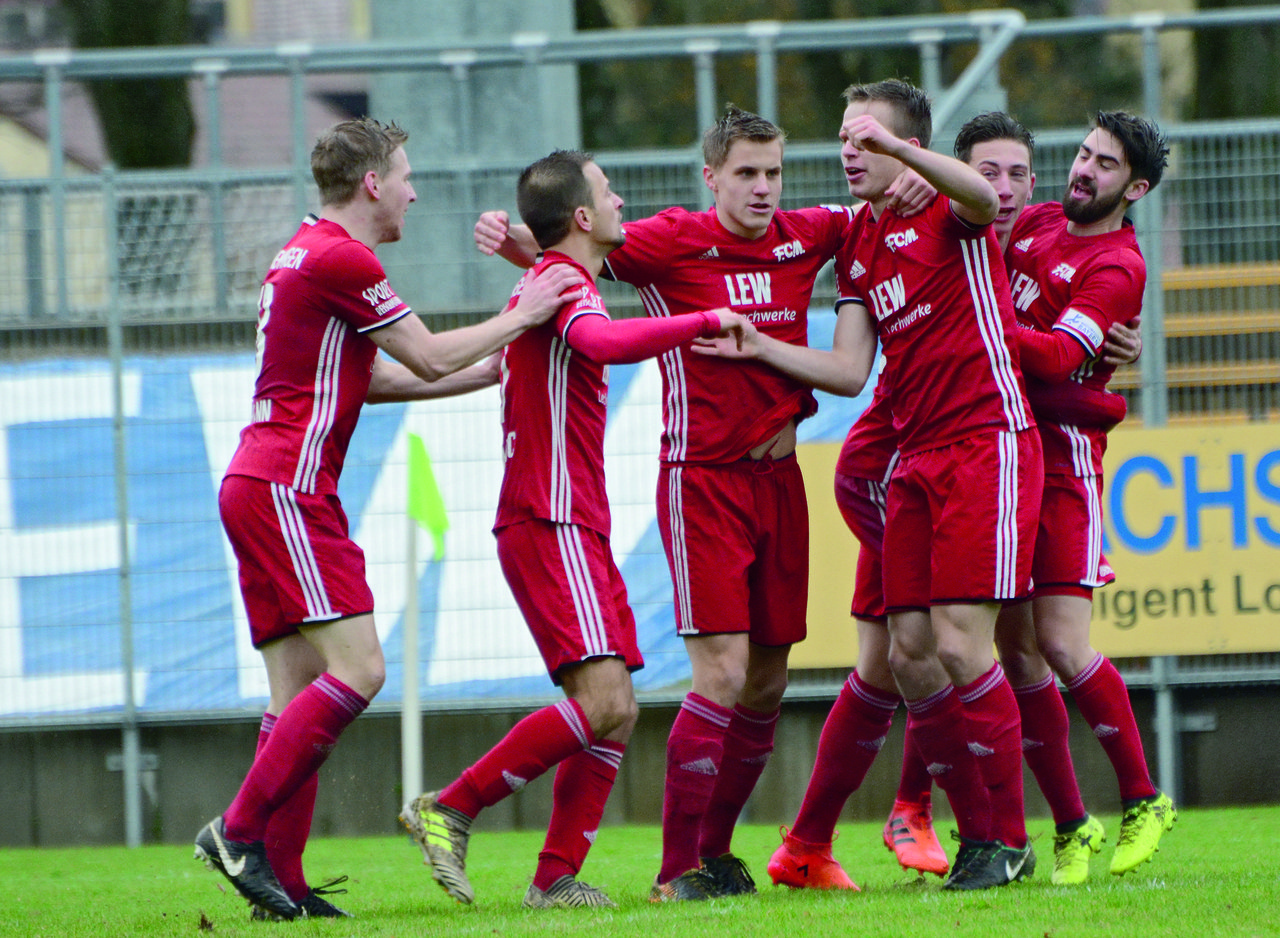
1024	244
706	255
856	270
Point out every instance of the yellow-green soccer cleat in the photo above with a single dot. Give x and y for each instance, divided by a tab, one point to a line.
442	835
1071	852
1140	831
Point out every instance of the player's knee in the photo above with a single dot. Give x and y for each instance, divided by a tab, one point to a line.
612	711
955	659
1064	657
720	680
373	675
763	693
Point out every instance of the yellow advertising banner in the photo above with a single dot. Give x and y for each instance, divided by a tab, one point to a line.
1192	520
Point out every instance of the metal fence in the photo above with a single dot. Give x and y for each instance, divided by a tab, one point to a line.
122	295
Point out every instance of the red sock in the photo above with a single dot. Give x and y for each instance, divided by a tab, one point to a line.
747	745
534	745
941	734
853	733
582	786
694	750
1045	746
289	827
996	736
303	736
1103	700
915	784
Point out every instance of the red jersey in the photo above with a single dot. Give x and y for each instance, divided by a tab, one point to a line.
870	449
553	418
938	293
681	261
323	293
1080	286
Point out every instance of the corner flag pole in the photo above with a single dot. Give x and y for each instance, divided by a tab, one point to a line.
426	508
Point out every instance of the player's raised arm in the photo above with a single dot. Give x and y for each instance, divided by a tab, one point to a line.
972	197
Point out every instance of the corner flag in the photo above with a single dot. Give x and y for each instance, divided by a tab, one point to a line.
425	504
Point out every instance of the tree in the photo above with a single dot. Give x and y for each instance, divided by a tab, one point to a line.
146	122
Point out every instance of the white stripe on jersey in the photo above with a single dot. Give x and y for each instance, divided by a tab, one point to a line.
583	591
305	568
569	714
1081	450
987	308
560	483
679	552
324	407
676	413
1006	572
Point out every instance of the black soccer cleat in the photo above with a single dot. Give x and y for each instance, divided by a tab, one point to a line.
730	875
988	865
245	866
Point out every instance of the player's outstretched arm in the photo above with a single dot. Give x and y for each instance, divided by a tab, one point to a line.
432	356
843	370
973	198
392	382
623	341
494	234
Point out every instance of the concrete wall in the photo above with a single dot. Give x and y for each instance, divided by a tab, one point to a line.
57	789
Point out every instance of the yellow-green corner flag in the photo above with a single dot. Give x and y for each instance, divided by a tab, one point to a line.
425	504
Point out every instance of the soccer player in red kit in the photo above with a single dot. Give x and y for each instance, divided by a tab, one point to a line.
964	495
1075	269
1000	149
553	542
731	504
325	309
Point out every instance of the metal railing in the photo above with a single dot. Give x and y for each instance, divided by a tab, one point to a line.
117	259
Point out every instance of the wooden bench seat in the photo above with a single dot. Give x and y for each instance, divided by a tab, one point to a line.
1207	375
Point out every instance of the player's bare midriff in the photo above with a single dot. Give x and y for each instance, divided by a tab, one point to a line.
783	444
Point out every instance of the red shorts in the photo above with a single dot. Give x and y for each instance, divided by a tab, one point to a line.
1069	558
737	542
298	565
862	503
570	593
961	522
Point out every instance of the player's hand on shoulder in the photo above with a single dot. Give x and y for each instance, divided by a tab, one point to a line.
491	231
910	194
548	290
1123	344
